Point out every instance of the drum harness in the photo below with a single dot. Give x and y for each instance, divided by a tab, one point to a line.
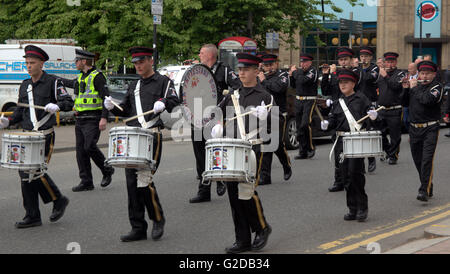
35	174
144	176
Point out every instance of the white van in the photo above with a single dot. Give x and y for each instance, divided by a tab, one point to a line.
13	69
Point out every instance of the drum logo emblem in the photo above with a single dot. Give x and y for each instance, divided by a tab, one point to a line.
195	81
14	154
120	146
219	159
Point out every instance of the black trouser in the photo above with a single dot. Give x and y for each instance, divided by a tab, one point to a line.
140	198
248	215
281	153
199	153
303	116
392	125
337	165
354	181
43	186
423	142
87	134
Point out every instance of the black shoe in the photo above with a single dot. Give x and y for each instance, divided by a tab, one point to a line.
28	222
200	199
261	238
107	178
59	207
336	187
350	216
134	236
311	154
372	165
422	196
264	182
221	188
392	161
301	157
361	215
158	229
287	173
431	191
238	248
82	187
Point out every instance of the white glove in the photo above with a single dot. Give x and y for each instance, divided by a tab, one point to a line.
324	125
329	102
217	131
260	111
4	122
108	103
372	114
159	107
52	108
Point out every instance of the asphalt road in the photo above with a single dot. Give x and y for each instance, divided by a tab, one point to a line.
305	217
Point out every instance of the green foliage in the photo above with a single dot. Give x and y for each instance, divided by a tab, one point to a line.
111	27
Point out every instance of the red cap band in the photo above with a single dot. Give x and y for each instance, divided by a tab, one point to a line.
248	61
427	66
365	51
35	53
141	54
347	77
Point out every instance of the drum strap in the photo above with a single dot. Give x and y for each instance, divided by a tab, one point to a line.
237	108
36	124
137	99
354	126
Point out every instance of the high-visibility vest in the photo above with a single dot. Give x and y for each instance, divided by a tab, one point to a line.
89	99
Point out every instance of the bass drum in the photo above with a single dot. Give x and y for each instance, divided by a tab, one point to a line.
198	90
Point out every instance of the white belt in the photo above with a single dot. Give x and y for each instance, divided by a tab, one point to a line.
393	107
424	125
301	98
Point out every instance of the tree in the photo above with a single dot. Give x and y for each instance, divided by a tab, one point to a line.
110	27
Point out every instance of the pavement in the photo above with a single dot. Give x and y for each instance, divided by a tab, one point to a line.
436	236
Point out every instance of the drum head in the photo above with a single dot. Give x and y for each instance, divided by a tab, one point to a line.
198	90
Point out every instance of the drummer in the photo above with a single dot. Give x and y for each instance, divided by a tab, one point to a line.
248	214
352	169
225	77
155	92
47	90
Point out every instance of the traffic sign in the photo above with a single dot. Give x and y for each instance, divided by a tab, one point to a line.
157	19
272	40
157	7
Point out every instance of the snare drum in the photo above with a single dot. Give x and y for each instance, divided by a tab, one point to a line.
362	144
23	151
131	147
229	159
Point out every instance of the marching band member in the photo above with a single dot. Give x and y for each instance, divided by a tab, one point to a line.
248	215
368	85
352	168
41	89
151	91
424	101
305	81
276	83
225	77
390	88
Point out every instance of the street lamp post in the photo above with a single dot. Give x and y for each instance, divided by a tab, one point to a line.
420	39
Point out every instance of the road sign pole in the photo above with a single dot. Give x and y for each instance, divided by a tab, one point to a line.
155	50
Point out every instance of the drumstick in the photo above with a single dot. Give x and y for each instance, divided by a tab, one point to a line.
27	105
367	116
246	113
318	113
137	116
116	105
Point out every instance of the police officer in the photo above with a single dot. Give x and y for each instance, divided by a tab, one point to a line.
225	77
368	85
352	168
424	101
276	83
151	91
330	87
41	89
248	215
390	89
90	90
304	80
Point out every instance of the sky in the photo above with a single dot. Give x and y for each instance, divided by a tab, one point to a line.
367	13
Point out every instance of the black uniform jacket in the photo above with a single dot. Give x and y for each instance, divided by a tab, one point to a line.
368	82
48	89
424	102
277	84
225	77
358	104
390	88
305	82
99	84
156	87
